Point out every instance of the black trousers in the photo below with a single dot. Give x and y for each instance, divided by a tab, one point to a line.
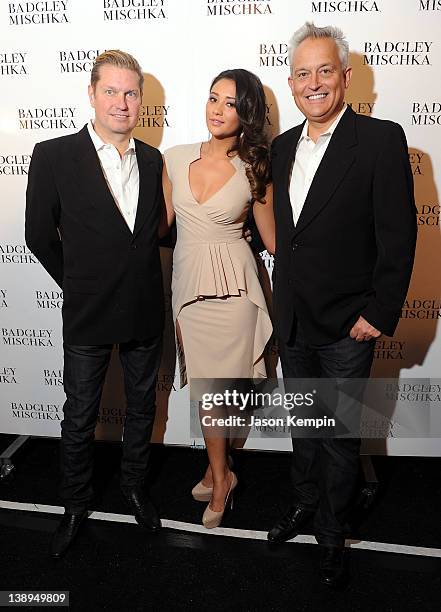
85	368
325	470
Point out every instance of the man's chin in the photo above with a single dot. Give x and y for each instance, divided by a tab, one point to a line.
320	116
317	117
122	128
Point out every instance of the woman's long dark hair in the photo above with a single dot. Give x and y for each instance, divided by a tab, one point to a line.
252	144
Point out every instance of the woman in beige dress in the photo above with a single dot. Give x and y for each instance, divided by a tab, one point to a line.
221	317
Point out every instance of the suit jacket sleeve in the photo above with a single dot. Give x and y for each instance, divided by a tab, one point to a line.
395	231
43	215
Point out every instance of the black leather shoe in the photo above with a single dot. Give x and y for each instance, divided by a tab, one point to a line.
65	533
142	508
289	525
332	567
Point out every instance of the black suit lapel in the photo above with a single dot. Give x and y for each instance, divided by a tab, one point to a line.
285	164
337	160
92	182
147	186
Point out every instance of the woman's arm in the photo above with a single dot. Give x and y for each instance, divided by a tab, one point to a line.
167	212
264	217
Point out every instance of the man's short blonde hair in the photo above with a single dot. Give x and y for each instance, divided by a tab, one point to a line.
120	59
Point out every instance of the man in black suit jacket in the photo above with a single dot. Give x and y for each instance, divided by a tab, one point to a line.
345	240
92	214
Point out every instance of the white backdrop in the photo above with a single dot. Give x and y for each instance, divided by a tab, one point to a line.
46	52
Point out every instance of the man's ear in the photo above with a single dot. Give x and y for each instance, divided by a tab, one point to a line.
348	76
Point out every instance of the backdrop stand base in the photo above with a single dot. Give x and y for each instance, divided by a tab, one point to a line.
6	465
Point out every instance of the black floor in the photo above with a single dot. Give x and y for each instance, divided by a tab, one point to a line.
117	567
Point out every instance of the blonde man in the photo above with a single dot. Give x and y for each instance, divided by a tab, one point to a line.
93	205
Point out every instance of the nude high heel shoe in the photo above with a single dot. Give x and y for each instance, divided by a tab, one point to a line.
211	518
202	493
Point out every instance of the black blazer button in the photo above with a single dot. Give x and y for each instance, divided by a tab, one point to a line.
295	246
134	246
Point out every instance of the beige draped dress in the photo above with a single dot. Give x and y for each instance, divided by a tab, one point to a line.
217	298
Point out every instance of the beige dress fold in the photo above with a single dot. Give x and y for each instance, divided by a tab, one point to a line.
217	298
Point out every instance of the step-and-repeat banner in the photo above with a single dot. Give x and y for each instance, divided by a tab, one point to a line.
46	53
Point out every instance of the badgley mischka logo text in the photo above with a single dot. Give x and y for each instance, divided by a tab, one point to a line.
219	8
53	378
268	120
14	165
133	10
272	54
421	308
8	376
36	411
154	116
428	215
349	6
397	53
53	118
49	299
362	108
430	5
27	337
111	416
3	302
38	13
389	349
77	60
16	254
13	63
426	113
417	160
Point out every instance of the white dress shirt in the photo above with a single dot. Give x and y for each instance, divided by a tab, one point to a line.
309	154
121	173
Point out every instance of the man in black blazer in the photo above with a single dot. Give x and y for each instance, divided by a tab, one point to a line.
92	214
345	241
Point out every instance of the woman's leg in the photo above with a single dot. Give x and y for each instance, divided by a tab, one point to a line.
228	355
221	473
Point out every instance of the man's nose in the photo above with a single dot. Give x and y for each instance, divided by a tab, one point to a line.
121	100
314	81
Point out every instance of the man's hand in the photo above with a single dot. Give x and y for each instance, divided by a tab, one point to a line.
363	330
